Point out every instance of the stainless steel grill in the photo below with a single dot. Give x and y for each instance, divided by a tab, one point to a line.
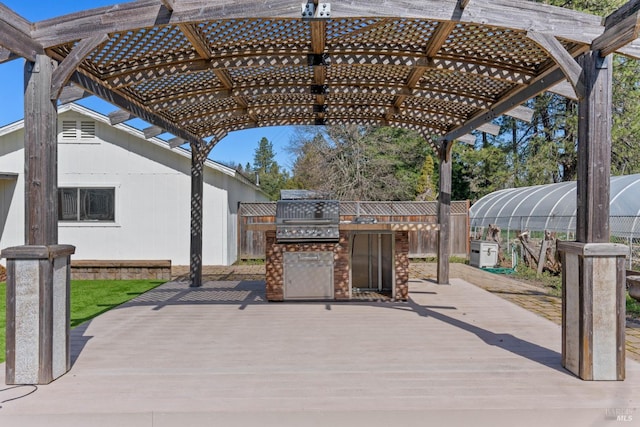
307	220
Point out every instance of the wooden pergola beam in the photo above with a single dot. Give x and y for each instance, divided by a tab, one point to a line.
129	77
136	110
119	116
176	142
565	89
71	62
169	4
565	61
507	103
6	55
490	128
200	45
467	139
521	113
517	14
621	28
15	35
152	131
71	93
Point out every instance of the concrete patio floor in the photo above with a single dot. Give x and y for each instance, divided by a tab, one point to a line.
222	356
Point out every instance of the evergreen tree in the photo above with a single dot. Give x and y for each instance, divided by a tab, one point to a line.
426	187
270	178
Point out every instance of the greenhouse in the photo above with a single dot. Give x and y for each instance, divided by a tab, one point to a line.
552	208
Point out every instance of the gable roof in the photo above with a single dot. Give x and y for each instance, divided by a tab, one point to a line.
164	145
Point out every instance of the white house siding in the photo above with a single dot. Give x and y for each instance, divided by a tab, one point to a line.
152	196
12	191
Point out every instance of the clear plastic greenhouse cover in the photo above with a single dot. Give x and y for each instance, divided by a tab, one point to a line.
552	207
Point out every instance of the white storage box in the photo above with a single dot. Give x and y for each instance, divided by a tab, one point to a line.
483	254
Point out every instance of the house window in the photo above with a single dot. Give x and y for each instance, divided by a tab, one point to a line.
73	130
86	204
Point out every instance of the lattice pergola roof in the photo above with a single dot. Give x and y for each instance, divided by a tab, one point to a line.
200	69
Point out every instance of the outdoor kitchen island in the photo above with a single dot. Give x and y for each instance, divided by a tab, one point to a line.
314	254
325	270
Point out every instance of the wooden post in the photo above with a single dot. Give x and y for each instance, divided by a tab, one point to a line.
40	150
197	188
593	270
38	273
444	214
594	150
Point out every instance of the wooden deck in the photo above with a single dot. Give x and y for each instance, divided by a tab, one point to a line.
221	355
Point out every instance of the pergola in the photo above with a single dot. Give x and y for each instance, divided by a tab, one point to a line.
199	69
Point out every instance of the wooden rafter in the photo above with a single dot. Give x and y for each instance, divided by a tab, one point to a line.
564	88
137	75
564	59
119	116
196	40
433	46
507	103
521	112
116	99
6	55
71	93
71	62
152	131
429	67
169	4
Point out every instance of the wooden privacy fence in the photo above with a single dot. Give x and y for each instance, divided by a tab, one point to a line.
422	243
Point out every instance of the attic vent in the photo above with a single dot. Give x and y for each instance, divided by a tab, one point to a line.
68	129
78	130
87	130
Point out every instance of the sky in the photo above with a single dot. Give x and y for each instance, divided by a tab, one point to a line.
237	147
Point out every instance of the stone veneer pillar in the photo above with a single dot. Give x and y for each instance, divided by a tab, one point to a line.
37	343
593	315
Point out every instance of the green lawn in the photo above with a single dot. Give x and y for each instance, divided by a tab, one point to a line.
89	298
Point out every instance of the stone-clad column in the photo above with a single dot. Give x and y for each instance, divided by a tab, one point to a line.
37	342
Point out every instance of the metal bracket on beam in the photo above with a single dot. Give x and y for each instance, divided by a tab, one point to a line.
318	60
311	11
319	90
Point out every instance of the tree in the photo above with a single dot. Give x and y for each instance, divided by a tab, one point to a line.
426	187
625	132
359	162
270	178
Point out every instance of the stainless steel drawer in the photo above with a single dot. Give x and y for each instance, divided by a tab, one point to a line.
308	275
